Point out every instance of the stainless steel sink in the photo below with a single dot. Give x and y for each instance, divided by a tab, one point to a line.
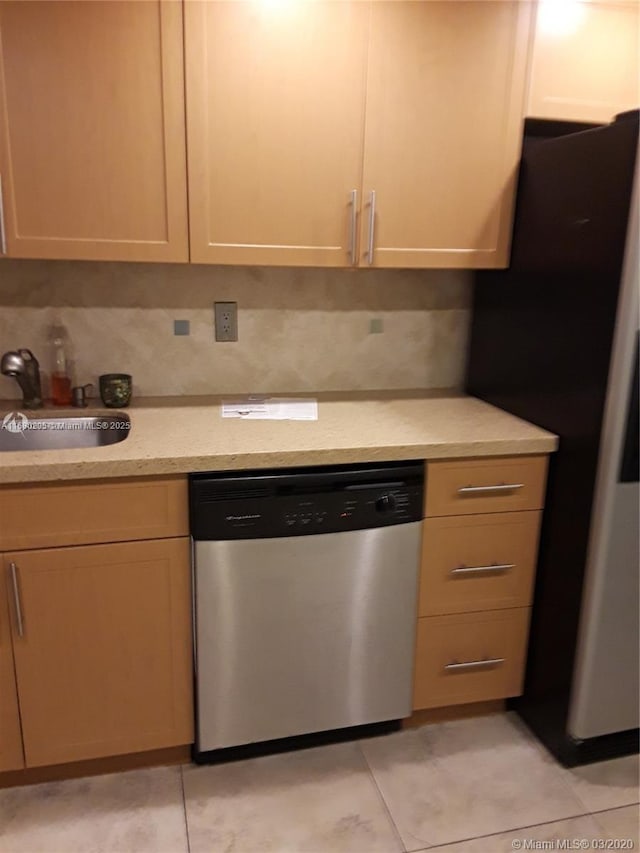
21	432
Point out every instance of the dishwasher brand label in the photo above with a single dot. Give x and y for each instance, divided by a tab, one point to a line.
242	517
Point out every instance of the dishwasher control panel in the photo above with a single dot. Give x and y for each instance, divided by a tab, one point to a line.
304	501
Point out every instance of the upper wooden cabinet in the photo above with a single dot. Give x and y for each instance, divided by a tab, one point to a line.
586	60
445	100
92	141
288	103
275	118
324	133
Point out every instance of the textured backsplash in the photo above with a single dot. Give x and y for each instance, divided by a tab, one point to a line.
299	329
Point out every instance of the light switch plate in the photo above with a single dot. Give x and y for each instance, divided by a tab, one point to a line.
226	320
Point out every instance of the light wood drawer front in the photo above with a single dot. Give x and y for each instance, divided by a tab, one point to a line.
485	485
43	516
443	641
458	559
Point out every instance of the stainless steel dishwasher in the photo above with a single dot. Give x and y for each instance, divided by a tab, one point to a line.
305	597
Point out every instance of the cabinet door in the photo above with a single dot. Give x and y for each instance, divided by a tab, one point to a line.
92	152
104	662
11	757
585	60
275	103
445	93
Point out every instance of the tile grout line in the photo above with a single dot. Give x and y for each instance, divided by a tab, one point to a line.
615	808
515	829
396	831
184	810
561	771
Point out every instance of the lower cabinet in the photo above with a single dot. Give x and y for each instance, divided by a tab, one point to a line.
479	554
478	562
11	757
470	657
102	649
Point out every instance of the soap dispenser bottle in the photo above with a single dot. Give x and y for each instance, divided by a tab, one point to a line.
60	381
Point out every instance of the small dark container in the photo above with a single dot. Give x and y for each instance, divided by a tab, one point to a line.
115	390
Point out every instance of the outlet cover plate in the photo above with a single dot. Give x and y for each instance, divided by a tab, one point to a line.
226	320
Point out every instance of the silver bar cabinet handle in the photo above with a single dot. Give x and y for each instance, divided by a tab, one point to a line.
3	233
372	225
16	598
352	226
473	664
498	487
471	570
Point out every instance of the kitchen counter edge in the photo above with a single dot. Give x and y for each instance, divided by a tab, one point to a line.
379	427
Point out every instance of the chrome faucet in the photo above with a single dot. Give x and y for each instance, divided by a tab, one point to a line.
22	365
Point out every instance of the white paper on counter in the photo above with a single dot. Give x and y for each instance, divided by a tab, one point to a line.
272	409
294	408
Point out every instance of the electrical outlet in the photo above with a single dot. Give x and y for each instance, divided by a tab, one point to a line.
226	320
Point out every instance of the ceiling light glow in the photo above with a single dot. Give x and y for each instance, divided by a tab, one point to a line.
560	17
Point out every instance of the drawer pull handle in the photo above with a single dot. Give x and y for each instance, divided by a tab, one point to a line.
16	598
498	487
353	225
473	664
372	226
475	570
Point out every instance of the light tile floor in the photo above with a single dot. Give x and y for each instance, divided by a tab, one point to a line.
473	786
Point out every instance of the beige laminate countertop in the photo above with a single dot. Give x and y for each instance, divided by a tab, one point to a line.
179	435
